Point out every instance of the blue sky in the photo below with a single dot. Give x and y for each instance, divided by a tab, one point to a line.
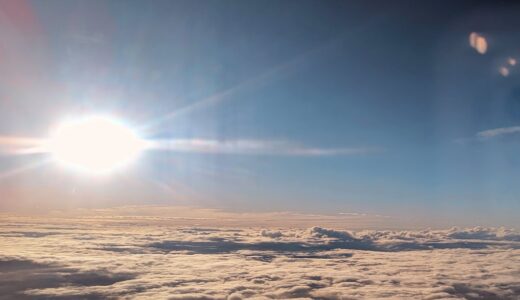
397	81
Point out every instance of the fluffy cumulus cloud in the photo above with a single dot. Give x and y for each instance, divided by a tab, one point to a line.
126	257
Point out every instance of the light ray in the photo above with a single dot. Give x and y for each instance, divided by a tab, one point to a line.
222	95
22	169
270	75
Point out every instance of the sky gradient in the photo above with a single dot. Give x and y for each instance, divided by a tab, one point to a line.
311	106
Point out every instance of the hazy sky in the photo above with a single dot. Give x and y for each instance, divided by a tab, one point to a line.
317	106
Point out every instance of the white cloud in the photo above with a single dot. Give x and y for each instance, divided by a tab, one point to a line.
491	133
256	147
271	233
329	233
119	257
481	233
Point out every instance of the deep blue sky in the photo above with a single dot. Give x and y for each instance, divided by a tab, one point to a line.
397	76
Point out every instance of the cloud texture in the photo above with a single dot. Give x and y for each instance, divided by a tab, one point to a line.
119	257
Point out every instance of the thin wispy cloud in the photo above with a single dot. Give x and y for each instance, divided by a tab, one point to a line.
253	147
491	133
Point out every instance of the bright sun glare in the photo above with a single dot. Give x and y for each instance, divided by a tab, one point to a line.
95	144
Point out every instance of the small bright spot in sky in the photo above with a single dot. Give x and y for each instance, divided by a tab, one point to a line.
504	71
478	42
95	144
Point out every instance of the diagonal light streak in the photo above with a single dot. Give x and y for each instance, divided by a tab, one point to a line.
22	169
270	75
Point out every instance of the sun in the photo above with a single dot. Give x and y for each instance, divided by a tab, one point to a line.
96	144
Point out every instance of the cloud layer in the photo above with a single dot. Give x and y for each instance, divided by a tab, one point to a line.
117	257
